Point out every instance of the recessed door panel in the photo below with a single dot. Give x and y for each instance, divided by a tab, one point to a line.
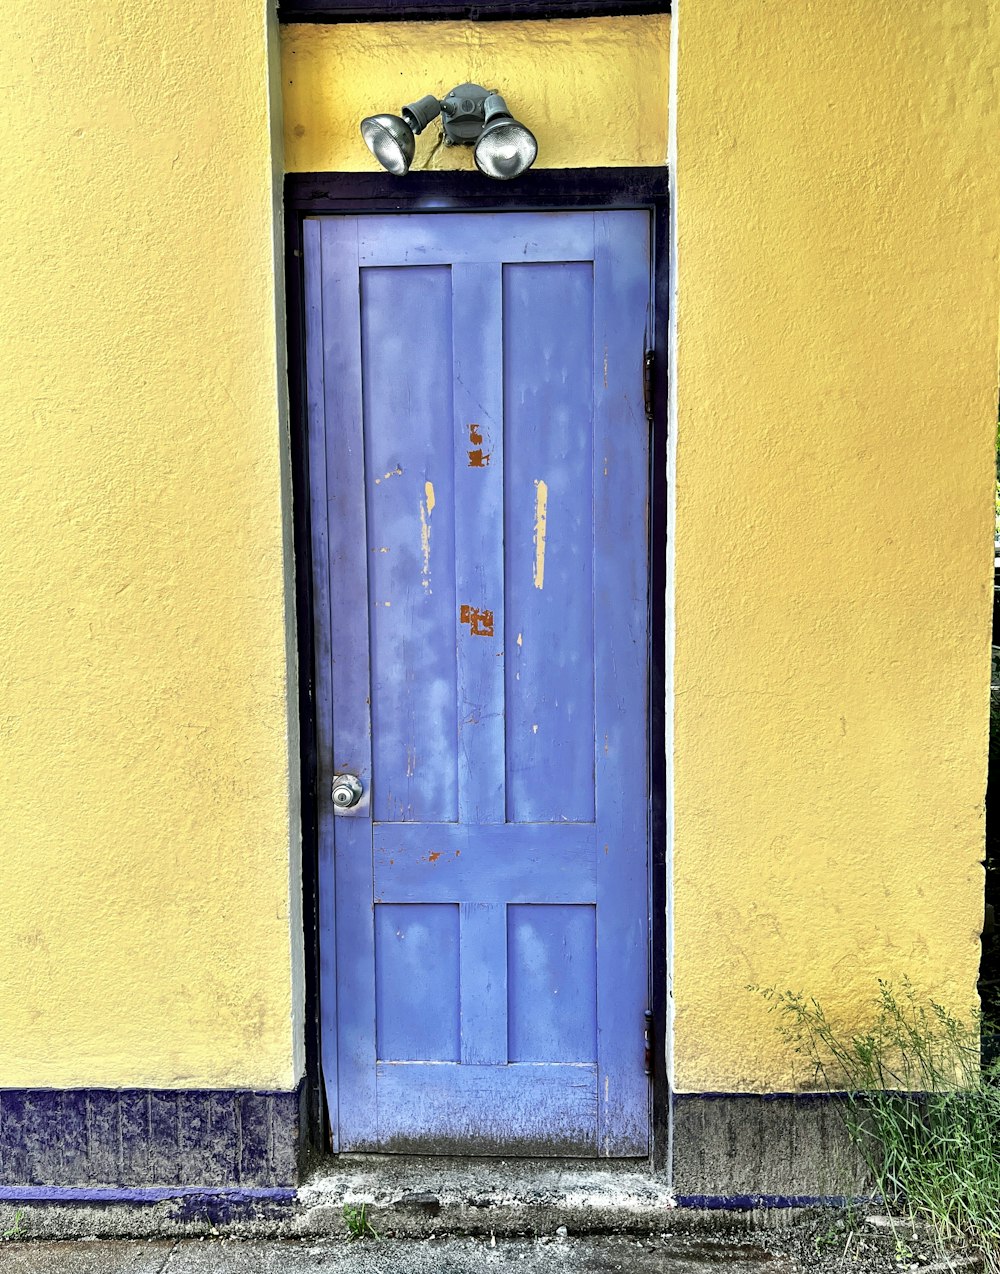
549	540
552	983
406	392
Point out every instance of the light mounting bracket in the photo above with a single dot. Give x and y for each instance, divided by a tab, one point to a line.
470	116
463	114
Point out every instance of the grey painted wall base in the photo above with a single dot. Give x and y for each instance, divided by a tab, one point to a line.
775	1147
728	1150
149	1137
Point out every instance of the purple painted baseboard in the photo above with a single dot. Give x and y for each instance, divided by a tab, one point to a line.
199	1138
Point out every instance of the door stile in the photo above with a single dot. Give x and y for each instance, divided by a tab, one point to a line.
621	290
477	299
354	1039
322	654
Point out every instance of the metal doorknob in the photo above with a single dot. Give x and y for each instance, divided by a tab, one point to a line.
347	791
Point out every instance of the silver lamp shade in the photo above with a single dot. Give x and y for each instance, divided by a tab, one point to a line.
390	139
505	147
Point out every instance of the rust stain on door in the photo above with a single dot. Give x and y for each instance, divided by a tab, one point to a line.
478	458
480	621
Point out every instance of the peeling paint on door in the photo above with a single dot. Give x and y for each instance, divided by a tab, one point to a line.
541	519
426	509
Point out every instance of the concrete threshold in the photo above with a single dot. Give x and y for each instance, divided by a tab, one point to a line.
415	1197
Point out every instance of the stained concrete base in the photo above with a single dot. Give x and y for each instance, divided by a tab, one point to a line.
777	1146
403	1196
409	1197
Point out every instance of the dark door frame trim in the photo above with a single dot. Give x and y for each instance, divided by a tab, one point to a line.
326	11
313	194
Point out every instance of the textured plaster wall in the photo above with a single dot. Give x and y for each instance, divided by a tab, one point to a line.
835	383
147	810
836	387
594	91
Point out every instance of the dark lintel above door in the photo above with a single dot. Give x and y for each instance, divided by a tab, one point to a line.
475	10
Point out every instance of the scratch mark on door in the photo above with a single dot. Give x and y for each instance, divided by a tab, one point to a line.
541	518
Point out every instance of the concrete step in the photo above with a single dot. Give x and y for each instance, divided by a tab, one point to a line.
417	1197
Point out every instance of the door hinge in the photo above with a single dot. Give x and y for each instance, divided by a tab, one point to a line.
648	362
647	1042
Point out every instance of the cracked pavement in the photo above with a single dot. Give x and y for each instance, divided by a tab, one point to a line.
612	1254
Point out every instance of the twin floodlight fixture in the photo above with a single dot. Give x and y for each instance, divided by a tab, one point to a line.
470	116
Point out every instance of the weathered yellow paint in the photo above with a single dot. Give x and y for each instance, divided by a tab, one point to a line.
541	521
836	381
426	509
594	91
148	911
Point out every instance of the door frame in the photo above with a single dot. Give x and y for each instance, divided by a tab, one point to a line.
539	190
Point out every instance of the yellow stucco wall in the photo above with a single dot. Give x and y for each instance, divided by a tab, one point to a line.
594	91
148	817
835	382
836	389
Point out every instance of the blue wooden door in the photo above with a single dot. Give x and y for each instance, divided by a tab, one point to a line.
478	455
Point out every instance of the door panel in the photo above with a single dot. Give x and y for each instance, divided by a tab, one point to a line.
406	367
479	495
549	541
417	979
551	959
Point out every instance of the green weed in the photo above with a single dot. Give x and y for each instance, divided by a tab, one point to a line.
356	1220
837	1229
919	1107
827	1236
15	1231
904	1254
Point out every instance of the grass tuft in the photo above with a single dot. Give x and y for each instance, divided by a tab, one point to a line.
357	1222
920	1108
15	1231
